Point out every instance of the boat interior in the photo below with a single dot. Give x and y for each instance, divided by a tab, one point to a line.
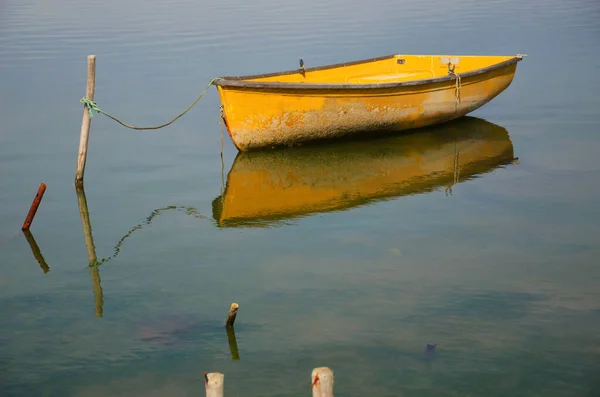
391	69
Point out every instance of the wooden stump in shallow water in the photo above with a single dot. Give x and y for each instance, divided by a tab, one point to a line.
321	378
322	382
232	314
214	384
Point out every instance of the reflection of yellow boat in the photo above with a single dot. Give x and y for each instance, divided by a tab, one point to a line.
389	93
282	184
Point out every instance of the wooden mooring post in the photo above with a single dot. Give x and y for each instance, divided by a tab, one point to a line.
321	378
86	121
34	207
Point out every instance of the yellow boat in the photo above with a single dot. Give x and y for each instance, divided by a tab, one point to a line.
391	93
268	187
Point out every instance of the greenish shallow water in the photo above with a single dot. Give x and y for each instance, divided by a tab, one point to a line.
501	273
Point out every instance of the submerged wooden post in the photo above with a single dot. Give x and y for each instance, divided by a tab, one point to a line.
322	382
91	250
232	314
85	121
34	207
214	384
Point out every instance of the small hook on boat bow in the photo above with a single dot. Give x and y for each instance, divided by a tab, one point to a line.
451	68
302	70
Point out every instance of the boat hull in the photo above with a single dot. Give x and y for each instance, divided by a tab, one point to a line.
262	117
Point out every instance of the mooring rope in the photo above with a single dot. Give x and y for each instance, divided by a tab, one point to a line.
222	148
458	87
458	82
92	106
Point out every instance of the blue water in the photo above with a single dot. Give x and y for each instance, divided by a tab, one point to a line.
502	274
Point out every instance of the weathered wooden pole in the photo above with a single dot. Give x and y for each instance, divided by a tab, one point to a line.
85	121
233	348
322	382
91	250
36	251
34	207
214	384
233	310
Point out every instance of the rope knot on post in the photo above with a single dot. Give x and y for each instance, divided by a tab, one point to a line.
90	105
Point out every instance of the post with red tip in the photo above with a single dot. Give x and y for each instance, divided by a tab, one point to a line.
322	382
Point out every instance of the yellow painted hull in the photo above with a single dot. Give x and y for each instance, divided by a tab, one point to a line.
366	97
267	187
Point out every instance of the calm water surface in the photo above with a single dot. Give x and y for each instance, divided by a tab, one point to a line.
481	236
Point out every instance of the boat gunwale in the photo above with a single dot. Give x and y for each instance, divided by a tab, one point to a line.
241	81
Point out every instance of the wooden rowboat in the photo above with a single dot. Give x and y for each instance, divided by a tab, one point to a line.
390	93
265	188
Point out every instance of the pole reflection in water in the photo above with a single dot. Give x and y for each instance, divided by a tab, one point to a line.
267	187
36	251
91	250
94	264
233	348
